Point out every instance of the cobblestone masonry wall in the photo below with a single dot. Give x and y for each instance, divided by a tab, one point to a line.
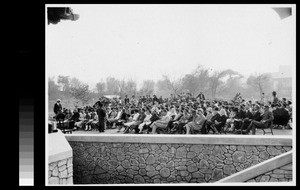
61	172
282	174
108	163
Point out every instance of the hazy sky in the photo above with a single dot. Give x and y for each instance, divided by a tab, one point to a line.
146	41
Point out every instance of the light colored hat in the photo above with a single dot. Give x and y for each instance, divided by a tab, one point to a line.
58	100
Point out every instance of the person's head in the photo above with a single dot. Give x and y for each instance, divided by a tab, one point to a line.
215	110
274	93
209	110
194	112
266	107
58	101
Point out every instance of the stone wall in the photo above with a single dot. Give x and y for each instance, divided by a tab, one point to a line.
111	162
61	172
281	174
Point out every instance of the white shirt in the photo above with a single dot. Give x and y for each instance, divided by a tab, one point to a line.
135	116
119	115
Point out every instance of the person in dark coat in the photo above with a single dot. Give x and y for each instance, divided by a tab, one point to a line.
247	118
281	115
60	116
267	117
57	107
101	117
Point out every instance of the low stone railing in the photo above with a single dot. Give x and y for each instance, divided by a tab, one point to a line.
108	159
60	160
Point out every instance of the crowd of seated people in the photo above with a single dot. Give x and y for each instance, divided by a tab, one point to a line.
182	114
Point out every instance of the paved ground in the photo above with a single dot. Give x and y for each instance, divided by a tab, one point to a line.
114	131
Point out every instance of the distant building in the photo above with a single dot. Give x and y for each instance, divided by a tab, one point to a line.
282	81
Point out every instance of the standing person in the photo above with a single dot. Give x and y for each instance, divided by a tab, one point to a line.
263	99
155	99
201	96
57	107
126	100
101	117
274	98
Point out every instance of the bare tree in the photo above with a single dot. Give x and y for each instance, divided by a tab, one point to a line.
64	82
100	86
196	81
215	80
53	89
259	81
147	88
166	87
81	93
131	87
112	85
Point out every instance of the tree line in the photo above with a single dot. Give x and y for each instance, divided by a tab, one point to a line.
222	84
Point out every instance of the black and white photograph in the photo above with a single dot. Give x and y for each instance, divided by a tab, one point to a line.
170	94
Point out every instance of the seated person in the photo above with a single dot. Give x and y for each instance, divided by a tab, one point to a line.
114	120
171	126
210	124
230	121
60	118
154	117
182	121
197	122
86	120
68	114
132	120
163	122
74	119
281	115
267	117
140	120
238	119
146	121
246	120
124	117
220	121
111	117
94	120
79	124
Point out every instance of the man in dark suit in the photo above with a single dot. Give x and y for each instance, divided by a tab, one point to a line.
57	107
101	117
267	117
